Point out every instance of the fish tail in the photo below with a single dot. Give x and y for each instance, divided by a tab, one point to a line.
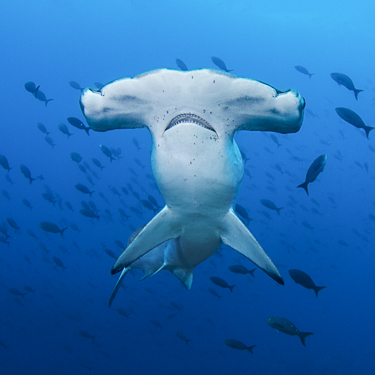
229	70
111	158
231	288
97	216
303	335
90	192
62	231
32	179
250	348
367	130
356	92
311	74
304	186
317	289
278	210
46	102
87	130
101	168
251	272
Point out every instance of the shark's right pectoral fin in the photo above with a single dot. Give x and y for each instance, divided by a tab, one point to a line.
161	228
235	234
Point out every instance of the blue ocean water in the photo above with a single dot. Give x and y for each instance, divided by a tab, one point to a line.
54	317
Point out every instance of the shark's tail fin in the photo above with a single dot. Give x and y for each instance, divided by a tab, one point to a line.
303	335
304	186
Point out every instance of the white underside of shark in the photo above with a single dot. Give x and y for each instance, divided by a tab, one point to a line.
192	117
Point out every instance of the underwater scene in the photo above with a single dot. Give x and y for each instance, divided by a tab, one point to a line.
187	187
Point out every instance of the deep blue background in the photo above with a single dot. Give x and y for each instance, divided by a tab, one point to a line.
52	43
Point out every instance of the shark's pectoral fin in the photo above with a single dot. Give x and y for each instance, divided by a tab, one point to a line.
161	228
235	234
118	284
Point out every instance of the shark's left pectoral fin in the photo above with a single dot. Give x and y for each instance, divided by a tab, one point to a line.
235	234
161	228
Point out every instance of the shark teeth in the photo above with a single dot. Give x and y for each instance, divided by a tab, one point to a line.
189	118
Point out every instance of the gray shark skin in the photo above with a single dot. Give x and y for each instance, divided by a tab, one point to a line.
192	117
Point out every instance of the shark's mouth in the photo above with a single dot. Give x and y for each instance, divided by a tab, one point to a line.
190	118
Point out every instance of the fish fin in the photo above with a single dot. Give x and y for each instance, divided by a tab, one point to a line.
356	92
235	234
251	272
303	335
117	286
32	179
250	348
62	231
304	186
36	91
185	276
279	209
230	287
367	130
311	74
86	128
46	102
229	70
317	289
161	228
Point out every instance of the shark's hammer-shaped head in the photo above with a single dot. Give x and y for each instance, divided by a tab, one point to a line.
217	101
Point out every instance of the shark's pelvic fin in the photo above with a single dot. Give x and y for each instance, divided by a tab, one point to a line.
235	234
161	228
118	284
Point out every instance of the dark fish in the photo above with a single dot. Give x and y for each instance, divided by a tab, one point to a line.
116	152
82	169
99	85
97	163
31	87
110	253
221	283
4	163
7	196
16	292
123	312
119	244
27	203
39	94
235	344
75	227
181	65
49	140
29	289
285	326
214	293
31	234
303	70
153	201
75	156
78	124
220	64
269	204
156	324
64	129
305	280
244	157
13	224
181	336
107	152
89	213
243	213
313	172
69	206
352	118
344	80
42	128
238	268
136	144
26	172
139	163
59	263
83	189
75	85
148	205
274	138
51	227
